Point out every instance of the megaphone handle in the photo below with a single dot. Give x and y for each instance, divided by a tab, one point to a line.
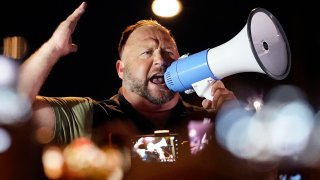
203	88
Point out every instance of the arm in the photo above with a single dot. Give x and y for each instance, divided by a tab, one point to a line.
34	71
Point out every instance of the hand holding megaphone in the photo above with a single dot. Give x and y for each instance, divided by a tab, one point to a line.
261	46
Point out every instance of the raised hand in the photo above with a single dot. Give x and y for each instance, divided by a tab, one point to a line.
61	39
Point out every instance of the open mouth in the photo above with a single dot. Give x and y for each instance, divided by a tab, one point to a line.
157	79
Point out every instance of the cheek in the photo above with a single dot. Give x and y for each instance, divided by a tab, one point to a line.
138	70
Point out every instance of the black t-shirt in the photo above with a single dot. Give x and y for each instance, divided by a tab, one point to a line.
122	122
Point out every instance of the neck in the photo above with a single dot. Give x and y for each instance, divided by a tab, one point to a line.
158	114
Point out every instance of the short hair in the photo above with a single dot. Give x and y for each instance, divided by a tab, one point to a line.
129	29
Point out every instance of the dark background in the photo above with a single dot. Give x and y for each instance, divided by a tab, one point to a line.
91	71
202	24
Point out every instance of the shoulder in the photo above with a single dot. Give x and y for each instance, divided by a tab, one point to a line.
70	105
70	100
108	105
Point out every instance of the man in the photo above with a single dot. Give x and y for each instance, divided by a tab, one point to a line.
146	49
144	103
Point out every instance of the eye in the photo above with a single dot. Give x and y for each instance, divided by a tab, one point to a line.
148	52
168	54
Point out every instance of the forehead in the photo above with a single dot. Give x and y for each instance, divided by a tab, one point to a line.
150	32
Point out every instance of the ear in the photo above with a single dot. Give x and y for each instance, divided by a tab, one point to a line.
119	67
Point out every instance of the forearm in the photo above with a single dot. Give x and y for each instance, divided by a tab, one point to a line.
34	71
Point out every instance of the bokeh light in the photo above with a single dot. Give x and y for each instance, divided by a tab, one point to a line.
53	160
8	72
5	140
283	128
14	107
166	8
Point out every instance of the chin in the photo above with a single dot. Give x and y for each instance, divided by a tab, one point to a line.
164	92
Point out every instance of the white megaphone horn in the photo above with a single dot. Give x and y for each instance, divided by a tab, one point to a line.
162	143
261	46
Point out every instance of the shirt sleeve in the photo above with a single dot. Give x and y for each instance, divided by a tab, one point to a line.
73	117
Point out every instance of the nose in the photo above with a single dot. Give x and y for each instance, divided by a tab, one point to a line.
161	60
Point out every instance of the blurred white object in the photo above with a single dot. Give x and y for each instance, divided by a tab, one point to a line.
5	140
8	72
281	130
14	107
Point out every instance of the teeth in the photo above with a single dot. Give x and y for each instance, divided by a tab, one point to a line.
157	80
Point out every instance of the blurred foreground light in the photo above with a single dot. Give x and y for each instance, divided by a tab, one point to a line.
166	8
5	140
52	160
291	128
82	159
311	156
8	72
282	128
14	107
86	160
231	130
257	105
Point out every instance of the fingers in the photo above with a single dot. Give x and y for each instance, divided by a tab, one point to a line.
216	85
208	105
75	16
61	39
220	95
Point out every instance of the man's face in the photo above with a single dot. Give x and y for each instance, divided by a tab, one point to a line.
146	55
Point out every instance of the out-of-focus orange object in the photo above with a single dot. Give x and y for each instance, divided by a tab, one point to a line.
83	159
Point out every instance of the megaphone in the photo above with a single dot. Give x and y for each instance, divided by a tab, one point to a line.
261	46
162	143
